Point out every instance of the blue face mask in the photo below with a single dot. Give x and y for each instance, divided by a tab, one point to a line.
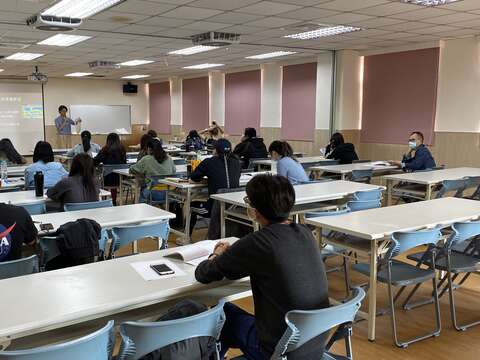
412	145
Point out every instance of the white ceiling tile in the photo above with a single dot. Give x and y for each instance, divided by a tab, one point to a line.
272	22
345	18
309	13
388	9
187	12
376	22
143	7
268	8
422	13
222	4
235	18
205	26
452	18
165	22
350	5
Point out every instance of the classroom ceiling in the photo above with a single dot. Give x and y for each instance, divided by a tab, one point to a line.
149	29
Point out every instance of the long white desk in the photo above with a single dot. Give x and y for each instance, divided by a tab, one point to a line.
305	194
376	225
28	197
346	170
12	184
55	299
16	170
301	160
429	178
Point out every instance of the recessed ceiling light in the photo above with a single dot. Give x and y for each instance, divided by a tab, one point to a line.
64	40
193	50
271	55
322	32
23	56
136	62
78	74
135	76
203	66
2	70
429	2
79	8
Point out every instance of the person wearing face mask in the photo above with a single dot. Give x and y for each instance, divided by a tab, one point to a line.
418	157
338	149
285	268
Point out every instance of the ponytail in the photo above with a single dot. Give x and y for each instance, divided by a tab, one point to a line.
86	137
282	148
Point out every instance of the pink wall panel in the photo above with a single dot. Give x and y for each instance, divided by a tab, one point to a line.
298	101
160	107
242	101
195	103
399	96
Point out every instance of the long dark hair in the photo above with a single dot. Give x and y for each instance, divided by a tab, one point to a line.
43	152
157	150
82	165
282	148
192	135
86	138
114	147
336	140
144	142
12	155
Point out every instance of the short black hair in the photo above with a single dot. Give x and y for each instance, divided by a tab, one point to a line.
43	152
419	134
62	107
273	196
152	133
250	132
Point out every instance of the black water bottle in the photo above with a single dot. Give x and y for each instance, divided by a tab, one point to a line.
38	179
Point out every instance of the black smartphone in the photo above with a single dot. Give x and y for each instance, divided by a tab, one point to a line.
46	227
162	269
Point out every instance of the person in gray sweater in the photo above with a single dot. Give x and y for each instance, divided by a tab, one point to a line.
79	186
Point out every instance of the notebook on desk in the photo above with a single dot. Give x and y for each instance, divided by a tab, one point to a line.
194	254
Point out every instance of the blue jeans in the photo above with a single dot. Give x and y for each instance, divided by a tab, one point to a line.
239	332
157	196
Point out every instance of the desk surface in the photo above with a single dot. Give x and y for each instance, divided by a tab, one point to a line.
13	184
125	172
308	193
16	170
244	179
28	197
378	223
109	216
301	160
56	298
436	176
348	168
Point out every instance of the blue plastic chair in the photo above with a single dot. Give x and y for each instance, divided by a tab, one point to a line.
20	267
124	235
358	205
397	273
141	338
303	326
36	208
364	175
458	186
87	205
95	346
473	182
375	194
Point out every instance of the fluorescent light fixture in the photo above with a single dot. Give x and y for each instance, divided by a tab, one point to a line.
79	8
323	32
429	2
271	55
23	56
64	40
136	62
2	70
203	66
78	74
133	77
193	50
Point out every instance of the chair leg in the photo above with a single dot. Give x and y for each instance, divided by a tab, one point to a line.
453	312
346	277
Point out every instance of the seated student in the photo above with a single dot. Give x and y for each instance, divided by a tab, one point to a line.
113	153
212	134
222	171
418	157
338	149
87	146
143	146
79	186
194	141
250	147
285	268
16	229
157	162
9	153
43	160
154	135
287	165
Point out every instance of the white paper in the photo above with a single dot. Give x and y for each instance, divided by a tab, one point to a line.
190	253
197	261
148	274
380	163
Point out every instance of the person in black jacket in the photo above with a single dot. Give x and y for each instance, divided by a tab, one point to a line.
250	147
285	268
339	150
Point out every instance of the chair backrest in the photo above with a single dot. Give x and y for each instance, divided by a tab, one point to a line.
361	161
97	345
308	165
49	248
472	181
404	241
358	205
363	175
462	231
452	185
303	326
313	214
87	205
141	338
20	267
375	194
181	161
124	235
35	209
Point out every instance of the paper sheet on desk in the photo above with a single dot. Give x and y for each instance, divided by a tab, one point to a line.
148	274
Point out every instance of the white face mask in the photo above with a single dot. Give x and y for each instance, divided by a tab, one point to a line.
412	145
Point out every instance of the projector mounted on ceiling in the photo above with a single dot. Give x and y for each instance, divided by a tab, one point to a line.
103	65
214	38
37	76
53	23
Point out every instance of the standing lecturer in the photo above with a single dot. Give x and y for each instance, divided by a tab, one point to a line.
64	128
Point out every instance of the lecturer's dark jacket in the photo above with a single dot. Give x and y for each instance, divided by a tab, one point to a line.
422	160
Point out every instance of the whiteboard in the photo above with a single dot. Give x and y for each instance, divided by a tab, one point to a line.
102	119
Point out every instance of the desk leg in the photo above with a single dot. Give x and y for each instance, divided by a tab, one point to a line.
187	216
343	176
389	192
136	191
372	292
428	194
167	200
121	191
222	220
